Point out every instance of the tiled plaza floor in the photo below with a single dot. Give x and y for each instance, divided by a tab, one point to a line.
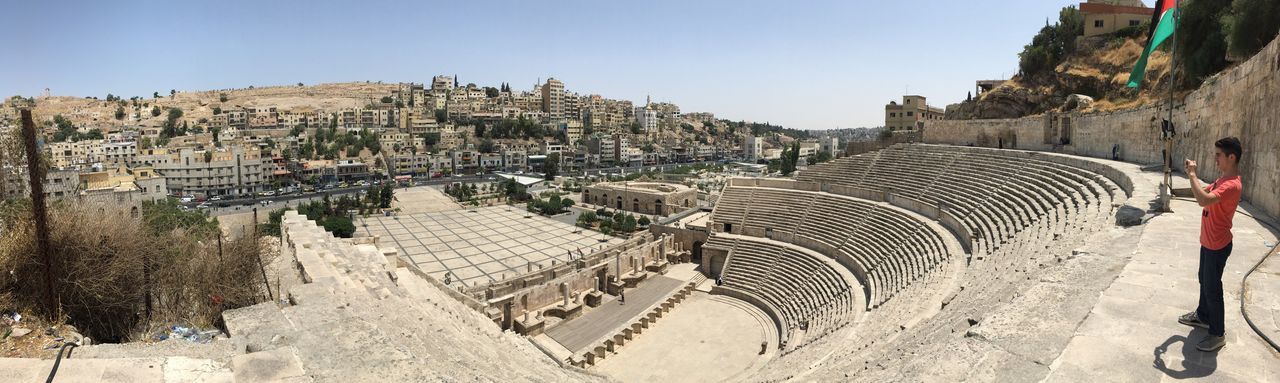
479	247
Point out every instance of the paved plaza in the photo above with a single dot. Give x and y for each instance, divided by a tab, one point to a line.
481	246
707	338
1132	334
590	329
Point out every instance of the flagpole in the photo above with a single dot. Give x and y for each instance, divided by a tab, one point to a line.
1168	141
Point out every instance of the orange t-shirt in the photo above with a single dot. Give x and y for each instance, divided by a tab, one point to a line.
1215	220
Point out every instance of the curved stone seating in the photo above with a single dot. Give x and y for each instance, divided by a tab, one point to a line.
808	292
1022	210
996	194
886	248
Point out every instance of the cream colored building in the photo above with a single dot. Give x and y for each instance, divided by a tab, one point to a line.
553	99
235	171
1107	16
656	198
911	114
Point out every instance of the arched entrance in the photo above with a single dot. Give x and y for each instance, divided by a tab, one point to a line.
619	203
635	205
657	208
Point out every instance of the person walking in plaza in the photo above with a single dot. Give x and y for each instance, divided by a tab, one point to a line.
1218	202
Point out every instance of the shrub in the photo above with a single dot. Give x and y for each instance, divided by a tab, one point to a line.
161	261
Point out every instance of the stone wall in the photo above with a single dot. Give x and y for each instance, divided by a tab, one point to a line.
1243	101
641	199
540	287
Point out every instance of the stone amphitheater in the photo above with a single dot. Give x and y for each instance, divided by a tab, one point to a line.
914	262
911	263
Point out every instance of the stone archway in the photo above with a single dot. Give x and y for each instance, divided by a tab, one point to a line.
657	208
635	205
619	203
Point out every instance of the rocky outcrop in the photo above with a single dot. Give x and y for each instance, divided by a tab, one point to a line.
1098	71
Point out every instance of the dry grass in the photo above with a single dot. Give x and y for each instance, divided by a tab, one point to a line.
109	265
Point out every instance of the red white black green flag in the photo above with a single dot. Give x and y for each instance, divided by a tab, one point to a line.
1163	23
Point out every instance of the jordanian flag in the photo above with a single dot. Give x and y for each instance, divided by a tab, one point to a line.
1163	22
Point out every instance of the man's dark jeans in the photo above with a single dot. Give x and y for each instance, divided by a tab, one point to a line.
1211	308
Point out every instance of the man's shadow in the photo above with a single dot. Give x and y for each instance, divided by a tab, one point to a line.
1195	363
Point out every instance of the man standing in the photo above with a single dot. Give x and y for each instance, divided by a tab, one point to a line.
1219	206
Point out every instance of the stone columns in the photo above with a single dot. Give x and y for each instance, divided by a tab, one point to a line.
564	291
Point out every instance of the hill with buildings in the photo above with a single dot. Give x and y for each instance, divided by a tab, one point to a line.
1083	61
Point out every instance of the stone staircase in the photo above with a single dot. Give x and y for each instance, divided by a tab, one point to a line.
634	328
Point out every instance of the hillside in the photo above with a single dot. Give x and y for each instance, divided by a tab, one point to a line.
1098	69
98	112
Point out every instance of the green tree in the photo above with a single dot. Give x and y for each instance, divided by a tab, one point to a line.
340	226
155	111
1250	25
822	156
628	224
790	158
551	167
165	215
94	134
1052	44
606	227
222	97
486	146
65	129
386	99
1202	45
431	139
119	112
386	196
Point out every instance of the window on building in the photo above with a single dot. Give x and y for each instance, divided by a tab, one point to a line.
911	114
1134	23
1097	23
893	115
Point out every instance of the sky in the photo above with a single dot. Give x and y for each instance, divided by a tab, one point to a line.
800	64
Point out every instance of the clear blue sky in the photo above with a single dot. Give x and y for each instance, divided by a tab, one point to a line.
802	64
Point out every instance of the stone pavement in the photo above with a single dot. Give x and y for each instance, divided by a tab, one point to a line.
589	329
710	338
1132	333
423	199
480	247
1261	301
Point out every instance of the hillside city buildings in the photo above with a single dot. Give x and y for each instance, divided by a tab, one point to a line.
417	130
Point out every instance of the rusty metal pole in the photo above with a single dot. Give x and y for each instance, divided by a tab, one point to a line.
35	174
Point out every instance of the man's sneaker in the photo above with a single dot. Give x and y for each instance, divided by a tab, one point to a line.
1190	319
1212	343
